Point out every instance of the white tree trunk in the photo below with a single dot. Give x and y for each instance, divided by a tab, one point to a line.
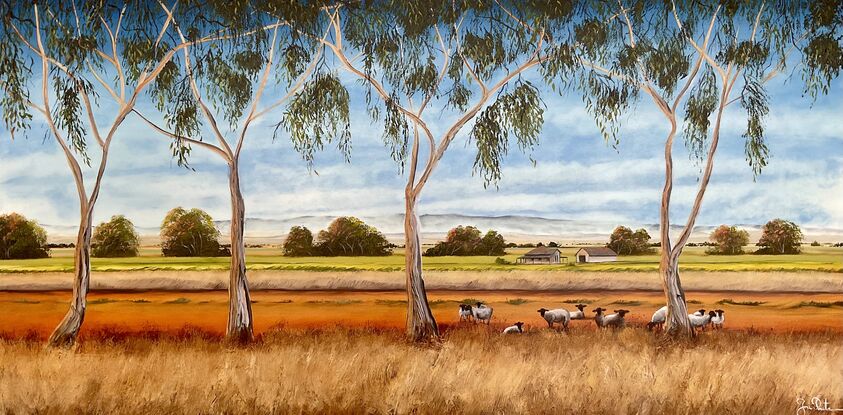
66	332
421	325
240	326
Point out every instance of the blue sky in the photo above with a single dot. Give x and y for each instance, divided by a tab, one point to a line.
576	176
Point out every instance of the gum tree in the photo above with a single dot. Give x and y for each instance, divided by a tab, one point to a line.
227	82
79	53
694	61
457	58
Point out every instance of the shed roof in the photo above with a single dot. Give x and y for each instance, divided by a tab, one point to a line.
598	251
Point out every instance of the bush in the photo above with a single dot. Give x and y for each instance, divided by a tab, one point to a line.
625	242
299	242
349	236
115	238
502	261
21	238
815	243
190	233
728	240
779	237
466	241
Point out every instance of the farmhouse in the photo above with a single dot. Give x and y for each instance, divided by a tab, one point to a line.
596	254
542	255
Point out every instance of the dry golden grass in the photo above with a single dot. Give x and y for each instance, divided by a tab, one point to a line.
474	370
532	280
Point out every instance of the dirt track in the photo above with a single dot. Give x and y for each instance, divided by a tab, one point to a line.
41	311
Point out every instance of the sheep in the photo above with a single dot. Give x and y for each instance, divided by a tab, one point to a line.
615	320
658	319
700	312
516	329
701	321
559	315
465	312
718	320
482	313
579	314
598	316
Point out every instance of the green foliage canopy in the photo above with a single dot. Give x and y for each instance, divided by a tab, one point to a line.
467	241
299	242
779	237
349	236
728	240
115	238
626	242
21	238
187	233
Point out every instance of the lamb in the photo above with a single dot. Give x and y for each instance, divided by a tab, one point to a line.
516	329
718	320
482	313
701	321
559	315
579	314
615	320
465	312
658	319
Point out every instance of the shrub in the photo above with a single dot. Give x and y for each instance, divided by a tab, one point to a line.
815	243
299	242
21	238
502	261
728	240
189	233
115	238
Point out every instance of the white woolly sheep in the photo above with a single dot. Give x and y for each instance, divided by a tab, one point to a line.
615	320
516	329
465	312
718	320
482	313
658	319
559	315
579	314
701	321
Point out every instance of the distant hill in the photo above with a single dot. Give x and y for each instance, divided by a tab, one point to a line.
514	228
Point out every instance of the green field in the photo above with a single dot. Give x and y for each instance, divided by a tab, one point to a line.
823	259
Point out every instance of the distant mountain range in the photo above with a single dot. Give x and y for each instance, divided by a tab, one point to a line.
514	228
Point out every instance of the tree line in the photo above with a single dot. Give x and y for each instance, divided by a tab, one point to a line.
778	237
206	67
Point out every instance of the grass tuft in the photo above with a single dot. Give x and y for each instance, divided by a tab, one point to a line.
820	304
631	303
577	301
746	303
180	300
102	301
517	301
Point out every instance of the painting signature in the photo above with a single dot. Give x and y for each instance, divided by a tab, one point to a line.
817	404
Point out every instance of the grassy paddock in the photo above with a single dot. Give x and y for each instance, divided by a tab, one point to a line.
374	371
821	259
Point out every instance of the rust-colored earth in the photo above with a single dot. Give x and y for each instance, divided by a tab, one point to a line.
22	312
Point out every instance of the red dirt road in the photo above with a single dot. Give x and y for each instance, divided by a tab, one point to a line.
22	312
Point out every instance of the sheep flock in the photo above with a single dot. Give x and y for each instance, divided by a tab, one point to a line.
560	318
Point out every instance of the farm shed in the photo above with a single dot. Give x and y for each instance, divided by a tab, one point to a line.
596	254
542	255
